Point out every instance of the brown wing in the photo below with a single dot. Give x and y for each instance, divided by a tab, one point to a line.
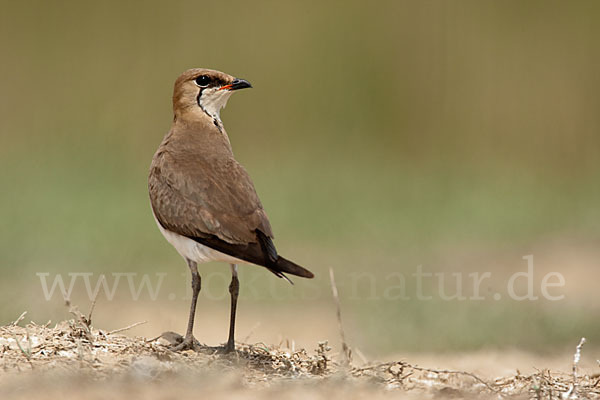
201	198
214	203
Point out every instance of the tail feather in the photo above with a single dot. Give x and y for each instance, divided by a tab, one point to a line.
287	266
277	264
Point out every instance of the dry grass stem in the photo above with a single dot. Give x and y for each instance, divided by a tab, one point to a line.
21	317
92	306
345	348
127	327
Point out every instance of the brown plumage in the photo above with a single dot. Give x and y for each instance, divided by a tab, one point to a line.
199	192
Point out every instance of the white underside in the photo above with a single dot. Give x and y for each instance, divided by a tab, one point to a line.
194	251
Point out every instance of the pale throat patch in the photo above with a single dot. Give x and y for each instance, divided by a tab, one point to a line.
212	100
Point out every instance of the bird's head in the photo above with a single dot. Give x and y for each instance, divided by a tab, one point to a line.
204	92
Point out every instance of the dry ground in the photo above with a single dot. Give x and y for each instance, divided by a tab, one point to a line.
72	359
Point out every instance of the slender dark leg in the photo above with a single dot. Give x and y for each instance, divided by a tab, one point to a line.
234	290
189	341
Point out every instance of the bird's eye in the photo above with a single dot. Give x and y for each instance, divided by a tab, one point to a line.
202	80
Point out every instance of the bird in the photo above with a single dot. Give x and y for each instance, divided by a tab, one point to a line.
203	200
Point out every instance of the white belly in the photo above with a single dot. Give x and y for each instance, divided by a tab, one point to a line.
192	250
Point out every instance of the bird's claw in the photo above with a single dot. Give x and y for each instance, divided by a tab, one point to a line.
179	343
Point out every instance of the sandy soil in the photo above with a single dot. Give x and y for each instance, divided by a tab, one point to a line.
72	359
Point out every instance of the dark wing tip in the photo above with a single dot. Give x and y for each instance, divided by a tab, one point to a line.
277	263
289	267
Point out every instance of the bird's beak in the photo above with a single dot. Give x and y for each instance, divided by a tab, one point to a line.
237	84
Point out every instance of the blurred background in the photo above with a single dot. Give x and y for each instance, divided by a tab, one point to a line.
459	136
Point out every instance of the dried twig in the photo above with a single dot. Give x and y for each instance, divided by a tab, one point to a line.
126	328
404	365
83	323
456	372
345	348
576	358
21	317
89	318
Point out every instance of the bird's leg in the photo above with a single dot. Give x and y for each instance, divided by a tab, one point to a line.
189	342
234	289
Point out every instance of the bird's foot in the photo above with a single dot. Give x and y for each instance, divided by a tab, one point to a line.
187	344
180	343
229	347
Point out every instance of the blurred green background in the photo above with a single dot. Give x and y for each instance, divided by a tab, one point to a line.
457	135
